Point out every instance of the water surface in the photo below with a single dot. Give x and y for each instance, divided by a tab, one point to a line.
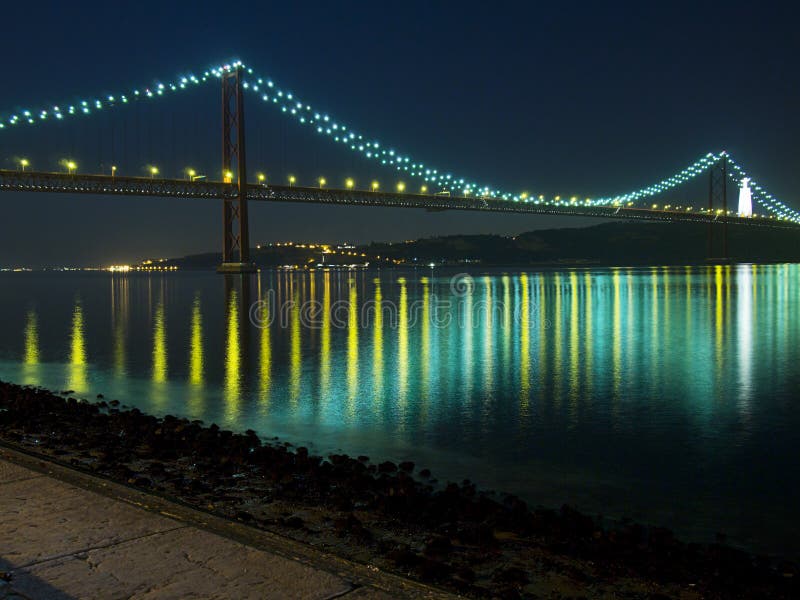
668	395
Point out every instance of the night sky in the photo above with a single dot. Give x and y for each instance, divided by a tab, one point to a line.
555	98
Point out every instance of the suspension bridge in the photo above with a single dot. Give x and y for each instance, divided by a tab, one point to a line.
438	191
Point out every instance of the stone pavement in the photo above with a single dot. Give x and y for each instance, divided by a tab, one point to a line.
65	534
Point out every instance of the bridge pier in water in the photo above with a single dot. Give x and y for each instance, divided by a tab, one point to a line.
235	226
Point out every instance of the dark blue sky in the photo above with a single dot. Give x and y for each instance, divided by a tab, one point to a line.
575	98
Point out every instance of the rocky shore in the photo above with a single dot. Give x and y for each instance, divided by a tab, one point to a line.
395	517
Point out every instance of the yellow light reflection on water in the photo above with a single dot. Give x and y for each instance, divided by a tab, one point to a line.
295	350
77	358
31	356
543	327
159	344
377	342
574	348
196	344
718	318
557	342
196	359
233	357
325	339
426	345
728	279
402	342
31	339
588	337
352	345
630	316
525	347
119	302
265	362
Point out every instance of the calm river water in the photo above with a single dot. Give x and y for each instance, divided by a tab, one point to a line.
669	395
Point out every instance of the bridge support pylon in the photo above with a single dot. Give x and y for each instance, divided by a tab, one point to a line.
235	227
718	196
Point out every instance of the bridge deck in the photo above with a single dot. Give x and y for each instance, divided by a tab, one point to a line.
18	181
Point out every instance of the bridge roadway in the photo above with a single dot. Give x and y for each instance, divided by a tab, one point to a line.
30	181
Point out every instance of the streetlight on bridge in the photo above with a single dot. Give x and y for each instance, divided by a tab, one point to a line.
322	182
375	186
349	183
193	175
153	172
23	162
292	180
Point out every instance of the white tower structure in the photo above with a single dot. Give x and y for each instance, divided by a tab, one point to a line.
745	199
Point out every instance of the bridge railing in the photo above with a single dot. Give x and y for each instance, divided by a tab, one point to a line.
70	183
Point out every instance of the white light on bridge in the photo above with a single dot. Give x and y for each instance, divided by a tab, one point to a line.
745	199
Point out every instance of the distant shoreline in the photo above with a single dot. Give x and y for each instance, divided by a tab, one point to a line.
411	267
617	244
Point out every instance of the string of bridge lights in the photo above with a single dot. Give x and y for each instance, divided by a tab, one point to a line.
371	149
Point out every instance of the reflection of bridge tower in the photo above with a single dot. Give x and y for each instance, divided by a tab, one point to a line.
718	196
745	199
235	234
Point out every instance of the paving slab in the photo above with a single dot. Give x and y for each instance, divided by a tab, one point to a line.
10	472
183	563
42	519
66	534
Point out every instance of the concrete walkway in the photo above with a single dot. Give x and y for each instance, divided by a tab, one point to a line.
65	534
